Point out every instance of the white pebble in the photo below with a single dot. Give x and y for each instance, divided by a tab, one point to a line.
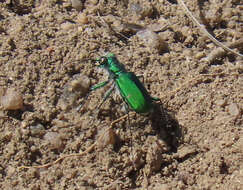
234	110
151	39
67	26
54	140
77	4
12	100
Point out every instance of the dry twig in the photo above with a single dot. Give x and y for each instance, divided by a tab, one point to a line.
203	29
89	149
219	52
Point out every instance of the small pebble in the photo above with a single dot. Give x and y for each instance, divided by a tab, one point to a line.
12	100
233	109
82	19
80	83
221	102
76	88
136	8
152	40
108	138
200	55
67	26
54	140
186	151
144	9
37	130
11	170
77	4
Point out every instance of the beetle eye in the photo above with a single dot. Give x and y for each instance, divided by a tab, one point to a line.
103	60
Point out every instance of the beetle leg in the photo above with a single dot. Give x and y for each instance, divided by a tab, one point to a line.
93	88
107	95
100	85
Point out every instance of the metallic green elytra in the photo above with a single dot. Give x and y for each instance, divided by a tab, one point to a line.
131	89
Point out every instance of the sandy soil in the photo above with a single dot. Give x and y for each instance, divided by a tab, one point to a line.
194	138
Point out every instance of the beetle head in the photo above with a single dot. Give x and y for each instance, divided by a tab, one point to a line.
103	61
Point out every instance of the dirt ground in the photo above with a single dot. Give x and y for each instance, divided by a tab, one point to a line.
192	140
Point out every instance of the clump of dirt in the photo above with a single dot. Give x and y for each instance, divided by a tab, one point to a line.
192	140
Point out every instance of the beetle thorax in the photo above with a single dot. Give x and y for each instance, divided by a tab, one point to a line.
115	68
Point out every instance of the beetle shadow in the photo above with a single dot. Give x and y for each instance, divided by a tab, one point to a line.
166	127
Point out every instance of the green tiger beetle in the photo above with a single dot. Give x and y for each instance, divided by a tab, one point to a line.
132	91
130	88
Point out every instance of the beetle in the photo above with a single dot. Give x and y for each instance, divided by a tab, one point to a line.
131	89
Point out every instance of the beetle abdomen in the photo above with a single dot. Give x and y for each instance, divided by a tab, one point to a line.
134	93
